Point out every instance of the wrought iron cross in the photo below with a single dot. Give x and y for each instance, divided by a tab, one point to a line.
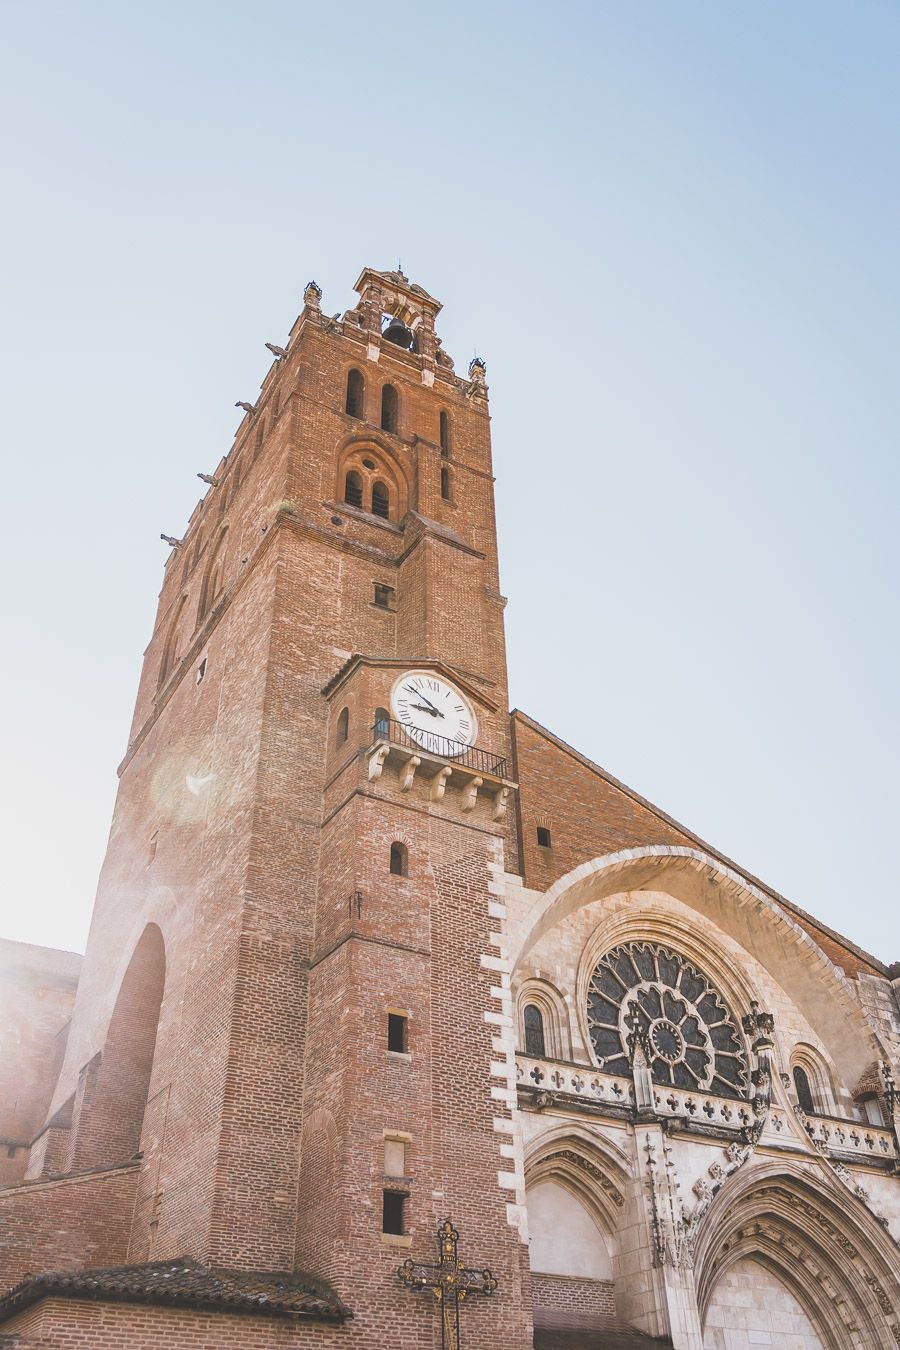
449	1281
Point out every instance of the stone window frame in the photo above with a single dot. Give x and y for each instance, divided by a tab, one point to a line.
552	1006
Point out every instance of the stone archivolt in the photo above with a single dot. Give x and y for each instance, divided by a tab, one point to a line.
841	1266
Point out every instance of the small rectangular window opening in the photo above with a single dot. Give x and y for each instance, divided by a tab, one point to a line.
393	1203
201	669
543	836
396	1035
383	596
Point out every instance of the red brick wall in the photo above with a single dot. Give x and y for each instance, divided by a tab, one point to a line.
66	1224
65	1323
218	840
589	815
565	1293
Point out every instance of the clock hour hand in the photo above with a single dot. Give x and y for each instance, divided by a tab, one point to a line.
417	693
420	707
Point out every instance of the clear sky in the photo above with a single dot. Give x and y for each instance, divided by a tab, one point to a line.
670	229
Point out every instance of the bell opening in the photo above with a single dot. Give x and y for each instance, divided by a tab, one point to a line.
398	333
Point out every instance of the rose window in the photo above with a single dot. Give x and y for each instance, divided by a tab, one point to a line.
691	1039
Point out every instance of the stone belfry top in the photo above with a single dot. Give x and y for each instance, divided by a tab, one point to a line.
396	309
397	288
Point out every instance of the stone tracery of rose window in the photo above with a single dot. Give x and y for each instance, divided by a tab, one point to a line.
692	1035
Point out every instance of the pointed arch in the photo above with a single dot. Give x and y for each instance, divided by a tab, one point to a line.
818	1239
593	1168
171	647
704	883
211	586
370	478
108	1130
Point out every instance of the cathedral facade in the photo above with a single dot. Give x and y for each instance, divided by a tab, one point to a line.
401	1024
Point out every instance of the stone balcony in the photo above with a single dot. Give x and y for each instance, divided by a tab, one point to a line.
547	1084
474	773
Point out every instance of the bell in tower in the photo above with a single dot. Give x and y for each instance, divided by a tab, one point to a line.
398	333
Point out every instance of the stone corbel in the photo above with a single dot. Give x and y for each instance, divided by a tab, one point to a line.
408	772
439	783
376	761
470	793
501	798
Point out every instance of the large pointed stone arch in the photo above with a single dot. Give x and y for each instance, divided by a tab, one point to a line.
592	1167
820	1242
110	1112
735	905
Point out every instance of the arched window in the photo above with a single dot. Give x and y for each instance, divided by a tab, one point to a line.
382	722
171	651
355	391
445	484
353	489
381	502
533	1019
399	860
445	434
389	408
343	725
804	1091
211	588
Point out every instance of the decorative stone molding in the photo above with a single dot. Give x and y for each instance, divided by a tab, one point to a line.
376	761
408	772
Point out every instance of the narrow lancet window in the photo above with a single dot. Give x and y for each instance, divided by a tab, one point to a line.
804	1091
389	408
535	1043
355	391
353	489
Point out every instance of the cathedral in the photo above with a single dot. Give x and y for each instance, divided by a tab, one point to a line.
402	1024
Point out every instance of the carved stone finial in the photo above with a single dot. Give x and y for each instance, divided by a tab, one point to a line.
759	1026
312	295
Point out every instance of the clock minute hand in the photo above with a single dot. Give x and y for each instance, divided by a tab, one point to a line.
416	693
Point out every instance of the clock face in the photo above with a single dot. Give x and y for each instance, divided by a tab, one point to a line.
434	713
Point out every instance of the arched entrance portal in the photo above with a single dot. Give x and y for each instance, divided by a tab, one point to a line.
788	1256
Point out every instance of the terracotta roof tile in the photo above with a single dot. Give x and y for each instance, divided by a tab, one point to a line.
186	1283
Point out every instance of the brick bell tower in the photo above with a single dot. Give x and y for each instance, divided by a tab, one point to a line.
304	874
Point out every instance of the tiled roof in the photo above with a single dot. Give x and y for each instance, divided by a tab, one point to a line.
186	1283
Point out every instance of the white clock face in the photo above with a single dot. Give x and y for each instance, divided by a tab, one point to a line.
434	713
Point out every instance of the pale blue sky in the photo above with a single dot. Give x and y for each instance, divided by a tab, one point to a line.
670	229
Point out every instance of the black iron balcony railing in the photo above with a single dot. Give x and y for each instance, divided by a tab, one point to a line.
466	756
